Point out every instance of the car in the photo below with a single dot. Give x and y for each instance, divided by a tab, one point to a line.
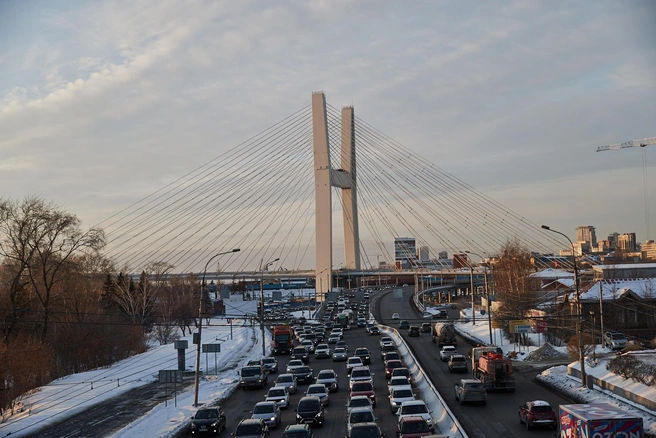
280	395
392	355
358	401
309	345
447	351
384	340
374	330
441	314
320	391
414	408
457	364
310	411
253	375
339	355
353	362
360	374
614	340
403	371
269	412
292	364
333	338
390	365
387	348
426	327
470	390
287	380
251	427
404	325
413	331
398	395
368	430
328	378
338	331
209	420
395	315
361	322
304	374
359	415
301	353
270	364
322	351
364	388
298	431
397	381
363	354
537	413
342	344
413	427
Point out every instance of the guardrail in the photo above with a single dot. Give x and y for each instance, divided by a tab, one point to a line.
442	416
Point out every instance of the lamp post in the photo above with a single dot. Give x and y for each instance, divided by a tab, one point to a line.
594	340
487	295
471	290
578	306
200	322
262	268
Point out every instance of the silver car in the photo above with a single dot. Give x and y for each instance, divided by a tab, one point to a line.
319	390
269	412
359	415
288	381
280	395
328	378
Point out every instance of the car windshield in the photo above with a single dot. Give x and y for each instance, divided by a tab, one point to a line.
276	393
294	362
308	405
617	336
401	372
414	427
361	417
362	386
359	402
541	409
458	359
326	375
365	432
354	360
299	350
402	393
269	360
204	414
263	408
414	409
249	372
285	379
360	373
248	429
474	386
301	370
340	350
361	351
289	434
317	390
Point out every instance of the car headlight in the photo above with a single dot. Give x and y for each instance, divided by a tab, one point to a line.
194	426
259	380
272	419
319	414
298	417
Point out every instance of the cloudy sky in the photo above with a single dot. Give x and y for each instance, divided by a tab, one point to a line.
104	102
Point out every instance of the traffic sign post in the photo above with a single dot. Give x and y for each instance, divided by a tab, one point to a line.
170	376
212	348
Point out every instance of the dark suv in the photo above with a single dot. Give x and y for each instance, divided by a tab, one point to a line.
310	411
302	354
363	354
251	427
210	420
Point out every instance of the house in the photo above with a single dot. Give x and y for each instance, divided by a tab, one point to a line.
625	270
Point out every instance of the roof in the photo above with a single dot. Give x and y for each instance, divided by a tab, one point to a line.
539	403
567	282
625	266
551	273
413	402
614	289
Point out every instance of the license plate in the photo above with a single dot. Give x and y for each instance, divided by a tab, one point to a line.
307	421
203	428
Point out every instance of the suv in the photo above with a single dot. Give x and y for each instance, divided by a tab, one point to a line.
328	378
301	353
270	364
253	375
251	427
304	374
426	327
359	415
269	412
309	411
208	420
413	331
360	374
363	354
297	431
447	351
413	427
369	430
537	413
614	340
470	390
457	364
404	324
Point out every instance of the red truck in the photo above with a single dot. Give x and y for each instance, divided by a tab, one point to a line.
282	339
493	370
598	420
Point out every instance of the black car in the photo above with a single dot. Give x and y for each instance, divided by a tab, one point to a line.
310	411
304	374
404	325
302	354
363	354
413	331
252	427
208	421
369	430
426	327
374	331
298	431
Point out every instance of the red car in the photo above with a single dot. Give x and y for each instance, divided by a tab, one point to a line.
537	413
364	388
390	365
413	427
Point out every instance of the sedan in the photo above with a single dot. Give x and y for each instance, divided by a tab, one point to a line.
416	408
304	374
537	413
309	346
374	330
280	395
413	427
320	391
359	415
339	355
342	344
364	388
269	412
390	365
395	315
298	431
353	362
397	381
404	325
328	378
333	338
358	401
398	395
208	420
288	381
322	351
293	364
447	351
363	354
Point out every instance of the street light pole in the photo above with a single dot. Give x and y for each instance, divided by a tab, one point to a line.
487	295
200	322
578	306
471	290
262	268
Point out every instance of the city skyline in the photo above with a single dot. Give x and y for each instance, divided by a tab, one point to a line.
104	103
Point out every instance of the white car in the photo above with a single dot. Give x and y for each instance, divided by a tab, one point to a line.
414	408
397	381
447	351
293	364
328	378
340	354
280	395
395	315
288	381
358	401
385	340
309	346
319	390
398	395
360	374
353	362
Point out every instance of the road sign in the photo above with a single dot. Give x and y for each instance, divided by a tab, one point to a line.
541	325
211	348
170	376
514	323
522	329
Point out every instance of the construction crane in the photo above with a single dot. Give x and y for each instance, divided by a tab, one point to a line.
632	144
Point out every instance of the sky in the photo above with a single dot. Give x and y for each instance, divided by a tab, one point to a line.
105	102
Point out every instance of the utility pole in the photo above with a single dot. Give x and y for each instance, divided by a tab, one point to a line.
262	268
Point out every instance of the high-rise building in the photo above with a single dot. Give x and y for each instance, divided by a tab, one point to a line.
443	255
405	252
626	242
612	239
424	254
586	234
649	250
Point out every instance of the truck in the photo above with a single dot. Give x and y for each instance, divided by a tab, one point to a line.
282	339
595	420
493	370
444	333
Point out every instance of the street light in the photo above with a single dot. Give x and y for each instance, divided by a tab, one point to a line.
200	321
594	340
262	268
578	306
487	295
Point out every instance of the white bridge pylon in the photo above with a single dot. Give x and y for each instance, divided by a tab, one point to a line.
324	179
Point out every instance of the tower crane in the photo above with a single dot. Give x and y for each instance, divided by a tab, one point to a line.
643	142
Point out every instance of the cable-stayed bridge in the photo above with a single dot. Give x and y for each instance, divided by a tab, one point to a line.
279	195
